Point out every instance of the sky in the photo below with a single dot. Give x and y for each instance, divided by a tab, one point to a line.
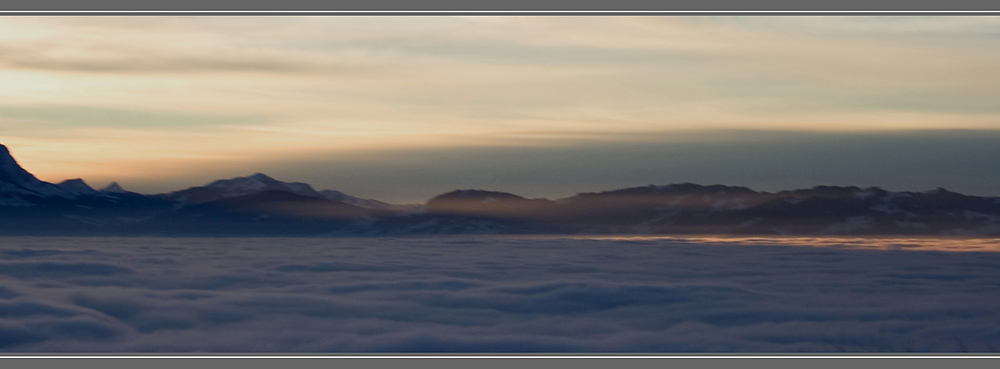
404	108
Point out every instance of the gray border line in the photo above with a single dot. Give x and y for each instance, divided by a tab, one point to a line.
504	356
624	355
498	12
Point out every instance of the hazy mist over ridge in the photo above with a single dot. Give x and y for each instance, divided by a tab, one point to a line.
764	160
958	160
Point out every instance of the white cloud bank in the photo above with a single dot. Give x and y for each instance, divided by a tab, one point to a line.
497	294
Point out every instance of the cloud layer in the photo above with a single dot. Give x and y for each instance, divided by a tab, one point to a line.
498	294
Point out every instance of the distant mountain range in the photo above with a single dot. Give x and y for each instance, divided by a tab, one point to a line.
258	205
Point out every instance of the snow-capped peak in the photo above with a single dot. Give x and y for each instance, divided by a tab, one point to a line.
253	183
16	180
241	186
259	182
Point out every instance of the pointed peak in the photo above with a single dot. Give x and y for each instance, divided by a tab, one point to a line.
114	187
13	176
76	185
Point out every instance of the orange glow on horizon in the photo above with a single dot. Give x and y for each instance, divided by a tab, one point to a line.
884	243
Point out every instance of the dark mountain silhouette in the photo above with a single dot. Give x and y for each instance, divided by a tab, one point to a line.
77	186
489	203
239	186
261	205
114	187
260	183
338	196
695	209
270	212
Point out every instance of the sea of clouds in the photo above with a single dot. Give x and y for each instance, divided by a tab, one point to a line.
498	294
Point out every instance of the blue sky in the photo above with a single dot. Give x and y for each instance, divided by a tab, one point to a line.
403	108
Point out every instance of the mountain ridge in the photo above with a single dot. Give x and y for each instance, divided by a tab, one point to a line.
261	205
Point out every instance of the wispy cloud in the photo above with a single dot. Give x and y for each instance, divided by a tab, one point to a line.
323	84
